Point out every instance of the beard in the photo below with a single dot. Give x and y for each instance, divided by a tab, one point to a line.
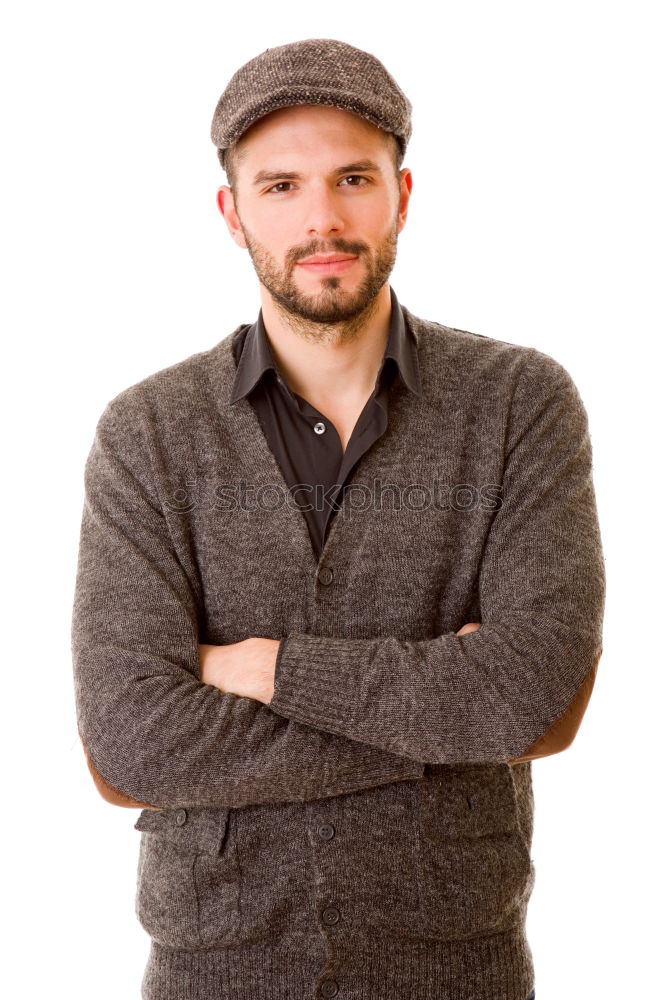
333	312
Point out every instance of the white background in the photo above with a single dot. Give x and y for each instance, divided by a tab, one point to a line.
537	216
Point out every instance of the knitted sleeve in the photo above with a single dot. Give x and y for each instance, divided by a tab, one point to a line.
153	734
517	688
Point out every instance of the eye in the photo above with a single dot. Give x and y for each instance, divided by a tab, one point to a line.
356	177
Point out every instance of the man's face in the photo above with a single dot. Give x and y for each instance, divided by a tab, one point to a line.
317	180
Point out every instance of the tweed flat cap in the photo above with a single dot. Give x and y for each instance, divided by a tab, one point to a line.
312	71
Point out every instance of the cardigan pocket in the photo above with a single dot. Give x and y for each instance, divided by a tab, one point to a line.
187	878
475	869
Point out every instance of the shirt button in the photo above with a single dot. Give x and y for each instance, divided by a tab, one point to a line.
325	575
319	427
328	988
326	831
330	915
181	817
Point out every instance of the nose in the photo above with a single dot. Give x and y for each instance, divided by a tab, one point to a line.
323	211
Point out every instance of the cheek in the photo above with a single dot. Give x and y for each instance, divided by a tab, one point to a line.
276	237
375	223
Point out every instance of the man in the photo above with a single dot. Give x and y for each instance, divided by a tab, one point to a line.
340	581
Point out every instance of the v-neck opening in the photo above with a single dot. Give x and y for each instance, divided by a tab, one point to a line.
248	418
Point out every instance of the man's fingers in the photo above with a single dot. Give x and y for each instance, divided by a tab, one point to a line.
469	627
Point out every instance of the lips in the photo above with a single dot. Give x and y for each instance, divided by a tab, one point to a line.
328	259
329	266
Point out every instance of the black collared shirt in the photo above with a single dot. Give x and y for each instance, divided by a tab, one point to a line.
304	441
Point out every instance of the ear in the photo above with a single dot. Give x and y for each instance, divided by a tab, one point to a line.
405	193
227	207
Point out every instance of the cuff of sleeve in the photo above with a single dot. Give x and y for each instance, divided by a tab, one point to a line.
319	685
278	658
316	674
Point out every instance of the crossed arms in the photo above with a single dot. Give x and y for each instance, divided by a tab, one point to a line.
247	668
345	714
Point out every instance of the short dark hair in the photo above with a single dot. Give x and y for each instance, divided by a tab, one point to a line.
234	155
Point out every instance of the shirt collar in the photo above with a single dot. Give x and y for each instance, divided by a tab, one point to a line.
257	357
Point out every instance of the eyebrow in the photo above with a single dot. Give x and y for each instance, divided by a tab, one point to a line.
361	166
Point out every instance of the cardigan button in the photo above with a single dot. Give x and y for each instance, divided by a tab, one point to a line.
181	817
325	575
319	427
331	915
326	831
329	988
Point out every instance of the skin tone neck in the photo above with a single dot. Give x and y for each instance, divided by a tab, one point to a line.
318	180
336	371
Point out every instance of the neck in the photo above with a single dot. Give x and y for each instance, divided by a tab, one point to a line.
329	361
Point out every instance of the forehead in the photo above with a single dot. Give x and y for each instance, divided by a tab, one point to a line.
305	126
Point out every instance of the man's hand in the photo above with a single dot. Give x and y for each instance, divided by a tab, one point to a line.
245	668
469	627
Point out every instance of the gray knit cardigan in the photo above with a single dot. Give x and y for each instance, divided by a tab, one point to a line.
367	833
